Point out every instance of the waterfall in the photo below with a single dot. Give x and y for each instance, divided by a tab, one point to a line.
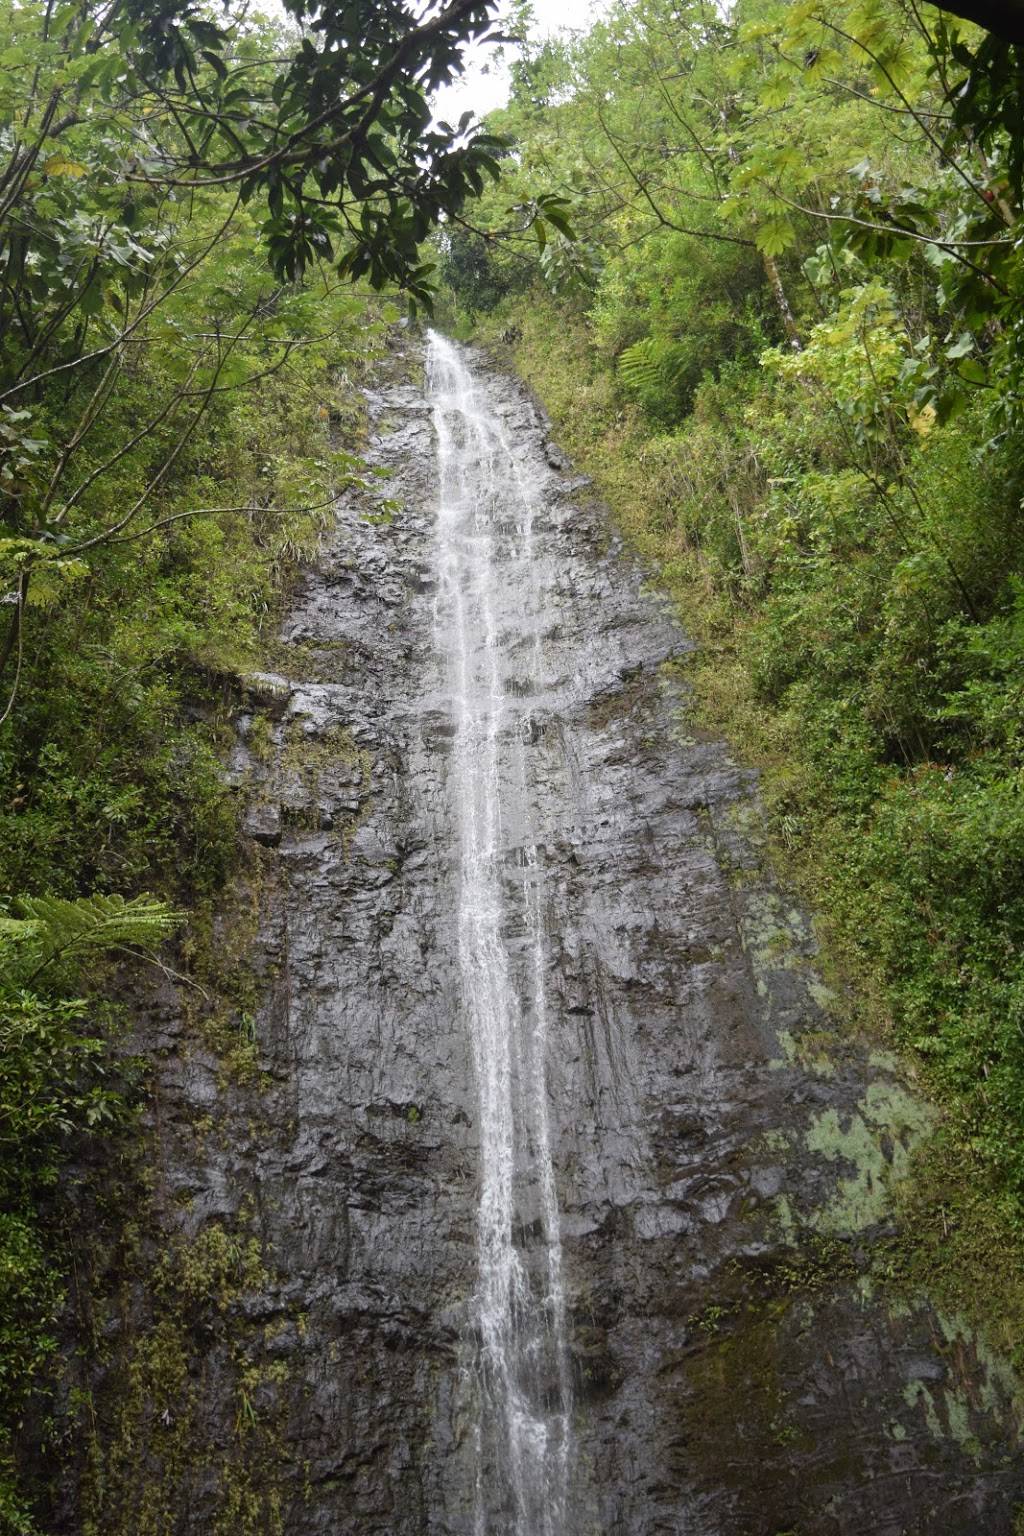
488	619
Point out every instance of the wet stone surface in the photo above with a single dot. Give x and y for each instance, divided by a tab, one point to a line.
721	1150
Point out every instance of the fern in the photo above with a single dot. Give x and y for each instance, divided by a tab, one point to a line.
51	929
639	368
652	364
655	372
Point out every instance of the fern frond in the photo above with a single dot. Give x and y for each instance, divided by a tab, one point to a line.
53	928
652	367
15	930
639	367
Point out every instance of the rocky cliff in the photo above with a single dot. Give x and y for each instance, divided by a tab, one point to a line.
283	1340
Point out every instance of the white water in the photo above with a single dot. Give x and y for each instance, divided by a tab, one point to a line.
488	605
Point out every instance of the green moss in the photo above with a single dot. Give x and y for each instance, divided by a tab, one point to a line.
772	933
947	1415
260	740
155	1418
958	1241
876	1141
311	769
306	660
807	1050
227	980
737	1407
147	1430
215	1268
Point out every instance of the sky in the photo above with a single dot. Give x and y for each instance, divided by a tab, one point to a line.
484	85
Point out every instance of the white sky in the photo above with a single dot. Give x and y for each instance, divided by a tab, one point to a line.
485	84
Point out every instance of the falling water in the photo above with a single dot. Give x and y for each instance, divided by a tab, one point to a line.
488	607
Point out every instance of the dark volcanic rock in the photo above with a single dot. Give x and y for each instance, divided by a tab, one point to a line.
721	1149
263	824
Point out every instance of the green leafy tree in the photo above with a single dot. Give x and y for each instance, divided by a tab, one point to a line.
149	151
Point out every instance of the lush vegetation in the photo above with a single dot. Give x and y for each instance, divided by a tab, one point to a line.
196	206
787	341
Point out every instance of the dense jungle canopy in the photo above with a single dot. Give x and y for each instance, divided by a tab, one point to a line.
763	264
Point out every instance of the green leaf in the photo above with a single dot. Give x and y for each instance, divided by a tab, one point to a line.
775	236
215	62
961	347
973	370
53	929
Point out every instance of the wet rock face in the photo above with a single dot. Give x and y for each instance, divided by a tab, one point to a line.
721	1152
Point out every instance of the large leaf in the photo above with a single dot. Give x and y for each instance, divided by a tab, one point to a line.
775	236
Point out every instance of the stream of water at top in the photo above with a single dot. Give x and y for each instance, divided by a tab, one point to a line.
521	1385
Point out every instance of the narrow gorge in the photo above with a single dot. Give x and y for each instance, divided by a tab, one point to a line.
557	1198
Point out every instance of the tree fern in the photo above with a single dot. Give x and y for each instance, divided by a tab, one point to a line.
51	928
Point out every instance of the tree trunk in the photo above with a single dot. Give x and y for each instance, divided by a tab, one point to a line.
14	627
781	300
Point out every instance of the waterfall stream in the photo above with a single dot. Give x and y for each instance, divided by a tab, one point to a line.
522	1396
511	931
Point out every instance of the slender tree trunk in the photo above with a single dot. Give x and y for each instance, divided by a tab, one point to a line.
13	635
781	300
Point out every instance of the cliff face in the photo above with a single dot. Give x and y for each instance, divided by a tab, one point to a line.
299	1347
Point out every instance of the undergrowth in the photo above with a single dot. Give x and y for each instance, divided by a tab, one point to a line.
836	654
